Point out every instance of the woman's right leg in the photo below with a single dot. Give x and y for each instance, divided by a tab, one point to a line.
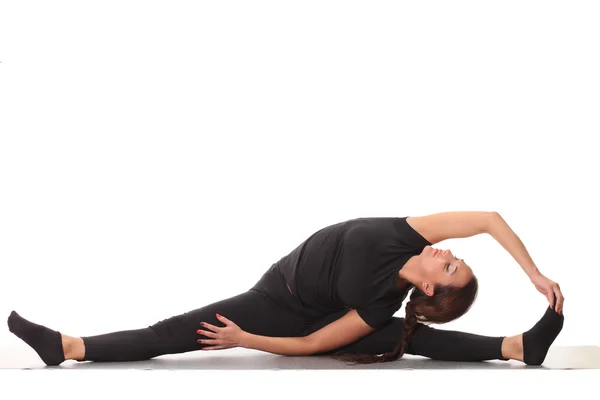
267	309
252	311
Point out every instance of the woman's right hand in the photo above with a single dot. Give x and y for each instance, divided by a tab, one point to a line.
226	337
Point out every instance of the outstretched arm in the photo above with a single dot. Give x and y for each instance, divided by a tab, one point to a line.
503	234
499	230
462	224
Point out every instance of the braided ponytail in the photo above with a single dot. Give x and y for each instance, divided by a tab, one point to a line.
447	304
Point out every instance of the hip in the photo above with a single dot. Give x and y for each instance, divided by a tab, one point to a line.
274	284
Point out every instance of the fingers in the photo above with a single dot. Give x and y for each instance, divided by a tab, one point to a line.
216	328
226	321
550	297
219	335
223	319
206	333
560	299
210	341
211	327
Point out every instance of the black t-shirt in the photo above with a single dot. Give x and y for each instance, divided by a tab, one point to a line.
354	264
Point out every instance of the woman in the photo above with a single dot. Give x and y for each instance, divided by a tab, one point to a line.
336	293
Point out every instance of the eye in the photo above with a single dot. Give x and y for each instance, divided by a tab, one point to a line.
448	265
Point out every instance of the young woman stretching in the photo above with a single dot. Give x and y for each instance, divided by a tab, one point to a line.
336	293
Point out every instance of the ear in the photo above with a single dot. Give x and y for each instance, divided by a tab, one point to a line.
427	288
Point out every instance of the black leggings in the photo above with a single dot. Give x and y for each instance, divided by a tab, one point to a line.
270	309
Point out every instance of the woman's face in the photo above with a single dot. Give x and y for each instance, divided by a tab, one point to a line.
441	267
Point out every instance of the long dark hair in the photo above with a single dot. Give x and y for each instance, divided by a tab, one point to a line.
447	303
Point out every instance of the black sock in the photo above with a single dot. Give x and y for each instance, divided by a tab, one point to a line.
46	342
538	339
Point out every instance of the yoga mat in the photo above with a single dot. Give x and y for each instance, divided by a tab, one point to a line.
558	358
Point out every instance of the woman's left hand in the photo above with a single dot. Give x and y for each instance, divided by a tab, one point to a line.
549	289
225	337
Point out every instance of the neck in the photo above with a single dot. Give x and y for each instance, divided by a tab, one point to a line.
410	271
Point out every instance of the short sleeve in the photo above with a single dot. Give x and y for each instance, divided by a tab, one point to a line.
394	228
410	235
376	314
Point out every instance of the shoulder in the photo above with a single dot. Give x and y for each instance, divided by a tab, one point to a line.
397	229
414	229
451	224
416	224
378	311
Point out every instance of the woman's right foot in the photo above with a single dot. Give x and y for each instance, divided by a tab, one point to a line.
45	341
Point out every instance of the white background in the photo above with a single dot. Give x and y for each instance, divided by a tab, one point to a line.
159	156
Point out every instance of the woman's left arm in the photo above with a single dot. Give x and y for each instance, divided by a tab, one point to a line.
499	230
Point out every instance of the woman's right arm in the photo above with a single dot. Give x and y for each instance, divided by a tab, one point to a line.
343	331
287	346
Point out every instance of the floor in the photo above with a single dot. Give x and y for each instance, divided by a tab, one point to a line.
558	358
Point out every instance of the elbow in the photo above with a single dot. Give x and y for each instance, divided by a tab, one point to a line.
311	346
493	218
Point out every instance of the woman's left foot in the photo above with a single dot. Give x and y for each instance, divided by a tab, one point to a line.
538	339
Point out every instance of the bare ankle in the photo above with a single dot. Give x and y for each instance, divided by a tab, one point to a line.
512	347
73	347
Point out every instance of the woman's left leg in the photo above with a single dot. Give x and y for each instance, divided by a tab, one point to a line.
530	347
429	342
